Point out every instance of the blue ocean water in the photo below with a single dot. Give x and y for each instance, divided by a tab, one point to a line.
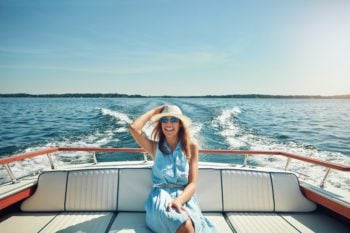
313	127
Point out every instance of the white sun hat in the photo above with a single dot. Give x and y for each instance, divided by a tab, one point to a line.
172	110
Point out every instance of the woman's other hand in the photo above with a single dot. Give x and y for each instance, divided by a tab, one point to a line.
176	204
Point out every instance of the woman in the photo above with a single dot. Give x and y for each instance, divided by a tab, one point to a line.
171	205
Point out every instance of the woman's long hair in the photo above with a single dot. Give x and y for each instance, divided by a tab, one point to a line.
184	138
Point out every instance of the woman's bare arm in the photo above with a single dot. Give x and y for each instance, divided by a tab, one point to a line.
135	129
192	181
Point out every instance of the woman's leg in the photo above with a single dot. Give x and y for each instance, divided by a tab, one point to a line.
186	227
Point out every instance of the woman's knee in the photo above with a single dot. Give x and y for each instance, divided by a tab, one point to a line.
186	227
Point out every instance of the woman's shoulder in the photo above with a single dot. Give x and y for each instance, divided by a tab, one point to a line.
193	147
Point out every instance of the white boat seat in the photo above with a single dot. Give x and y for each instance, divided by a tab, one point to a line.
209	191
127	190
251	222
218	219
127	222
26	222
50	193
112	200
85	190
260	222
263	192
247	191
315	222
72	222
134	187
92	190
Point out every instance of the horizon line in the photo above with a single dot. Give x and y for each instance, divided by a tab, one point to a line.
347	96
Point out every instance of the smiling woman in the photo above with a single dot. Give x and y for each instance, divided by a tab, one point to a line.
172	205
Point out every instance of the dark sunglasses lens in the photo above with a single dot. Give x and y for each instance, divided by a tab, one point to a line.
164	120
174	120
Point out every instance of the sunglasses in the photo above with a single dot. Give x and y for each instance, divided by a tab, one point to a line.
171	119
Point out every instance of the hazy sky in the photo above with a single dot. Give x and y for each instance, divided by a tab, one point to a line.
175	47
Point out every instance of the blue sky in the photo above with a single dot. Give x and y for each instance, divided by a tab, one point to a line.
182	47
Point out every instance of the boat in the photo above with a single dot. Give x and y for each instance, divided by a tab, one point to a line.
109	196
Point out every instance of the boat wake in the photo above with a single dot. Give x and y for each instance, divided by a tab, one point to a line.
28	166
238	137
221	129
120	116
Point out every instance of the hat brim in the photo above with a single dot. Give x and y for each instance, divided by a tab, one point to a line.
184	119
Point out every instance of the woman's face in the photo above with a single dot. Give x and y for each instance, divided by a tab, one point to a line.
170	126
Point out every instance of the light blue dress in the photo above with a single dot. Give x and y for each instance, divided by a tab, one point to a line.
172	169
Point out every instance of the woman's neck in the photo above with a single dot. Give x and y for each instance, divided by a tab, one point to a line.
172	142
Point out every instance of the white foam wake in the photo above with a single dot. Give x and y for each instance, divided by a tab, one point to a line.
227	126
195	129
28	166
236	137
120	116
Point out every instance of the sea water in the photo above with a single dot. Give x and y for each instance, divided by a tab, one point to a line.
317	128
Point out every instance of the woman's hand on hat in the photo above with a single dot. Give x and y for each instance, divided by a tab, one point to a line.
159	109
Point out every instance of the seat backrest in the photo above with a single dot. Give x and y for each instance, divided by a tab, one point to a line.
134	187
50	193
247	191
80	190
209	191
92	190
263	191
287	194
126	189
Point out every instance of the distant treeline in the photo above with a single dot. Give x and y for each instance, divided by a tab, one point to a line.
280	96
73	95
117	95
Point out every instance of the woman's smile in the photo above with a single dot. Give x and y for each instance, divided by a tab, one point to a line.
169	129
